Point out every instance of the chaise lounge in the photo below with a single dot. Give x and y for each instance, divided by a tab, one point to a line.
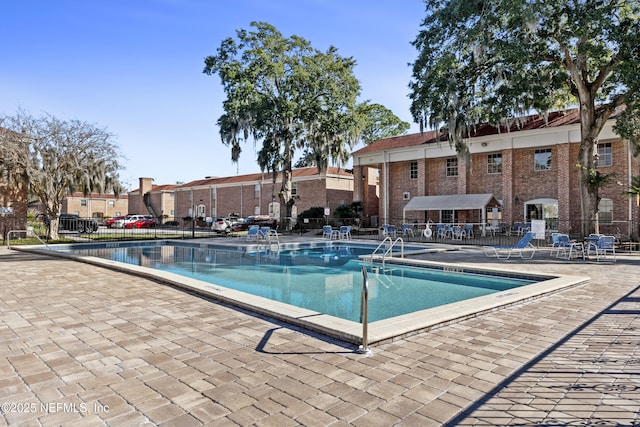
504	252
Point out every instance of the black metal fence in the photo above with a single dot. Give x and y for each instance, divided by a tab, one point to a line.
474	234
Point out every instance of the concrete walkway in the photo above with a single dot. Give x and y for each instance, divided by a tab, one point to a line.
86	346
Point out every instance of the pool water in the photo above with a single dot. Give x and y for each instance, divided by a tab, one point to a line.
323	279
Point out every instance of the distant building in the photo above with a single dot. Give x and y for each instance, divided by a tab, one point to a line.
95	205
151	199
244	195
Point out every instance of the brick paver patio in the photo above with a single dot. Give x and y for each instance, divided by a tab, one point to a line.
82	345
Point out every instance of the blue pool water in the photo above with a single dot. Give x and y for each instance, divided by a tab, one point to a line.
323	279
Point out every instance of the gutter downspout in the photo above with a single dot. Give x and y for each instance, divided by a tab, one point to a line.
386	185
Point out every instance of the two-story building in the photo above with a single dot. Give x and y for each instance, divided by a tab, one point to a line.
242	195
516	174
98	206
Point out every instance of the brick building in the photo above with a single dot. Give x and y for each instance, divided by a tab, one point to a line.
244	195
152	199
96	206
531	169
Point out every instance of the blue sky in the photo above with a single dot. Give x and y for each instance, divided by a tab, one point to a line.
135	68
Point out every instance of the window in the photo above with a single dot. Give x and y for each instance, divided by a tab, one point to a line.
605	211
494	163
604	154
294	188
413	170
452	167
256	191
542	159
112	204
449	216
83	202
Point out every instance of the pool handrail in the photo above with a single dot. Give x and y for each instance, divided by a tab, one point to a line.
389	250
364	313
27	231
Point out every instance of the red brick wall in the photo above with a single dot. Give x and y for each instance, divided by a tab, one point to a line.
517	184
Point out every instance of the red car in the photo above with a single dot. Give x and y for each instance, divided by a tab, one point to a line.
142	223
109	223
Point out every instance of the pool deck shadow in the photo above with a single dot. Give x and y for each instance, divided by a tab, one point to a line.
138	353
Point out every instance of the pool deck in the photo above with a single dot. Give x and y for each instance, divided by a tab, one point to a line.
83	345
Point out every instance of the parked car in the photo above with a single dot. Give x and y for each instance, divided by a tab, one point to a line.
221	225
261	220
121	223
72	222
142	223
111	221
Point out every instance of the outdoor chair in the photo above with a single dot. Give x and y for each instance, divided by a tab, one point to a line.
517	228
606	245
592	243
457	232
327	232
252	233
389	231
344	232
505	252
468	230
407	230
567	248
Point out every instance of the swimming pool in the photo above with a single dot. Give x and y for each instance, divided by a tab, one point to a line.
316	284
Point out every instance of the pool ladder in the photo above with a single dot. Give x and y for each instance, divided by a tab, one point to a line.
389	249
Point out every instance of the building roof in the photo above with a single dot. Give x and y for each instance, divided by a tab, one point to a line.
297	173
537	121
81	195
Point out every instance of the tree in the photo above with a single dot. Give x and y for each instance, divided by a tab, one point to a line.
55	157
379	122
286	96
376	121
495	60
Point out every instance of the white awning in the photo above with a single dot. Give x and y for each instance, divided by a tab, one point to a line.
454	202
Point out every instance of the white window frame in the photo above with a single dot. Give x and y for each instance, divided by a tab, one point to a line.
543	166
452	167
413	170
494	167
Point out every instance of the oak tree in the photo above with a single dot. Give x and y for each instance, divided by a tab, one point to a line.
495	60
55	157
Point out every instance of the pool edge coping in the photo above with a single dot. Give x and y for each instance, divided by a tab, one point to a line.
379	332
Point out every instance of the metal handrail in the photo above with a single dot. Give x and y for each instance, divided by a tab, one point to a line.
27	231
389	250
364	314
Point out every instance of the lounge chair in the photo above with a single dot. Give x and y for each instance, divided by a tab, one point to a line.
252	233
504	252
327	232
